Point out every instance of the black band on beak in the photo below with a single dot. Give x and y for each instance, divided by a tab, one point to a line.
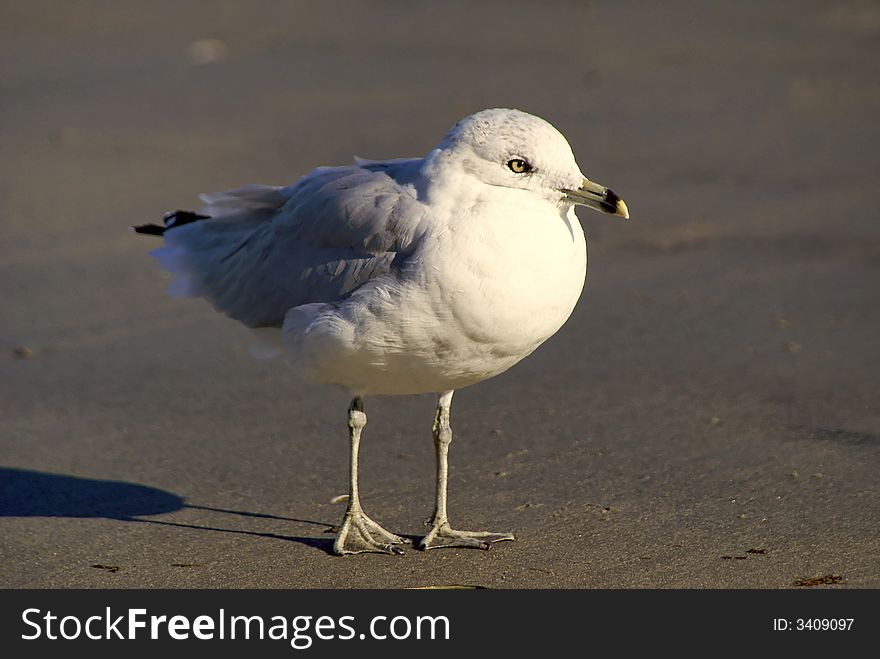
610	202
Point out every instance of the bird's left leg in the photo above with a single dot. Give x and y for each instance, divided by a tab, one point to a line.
441	533
359	533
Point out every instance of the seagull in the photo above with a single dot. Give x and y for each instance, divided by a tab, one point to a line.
404	276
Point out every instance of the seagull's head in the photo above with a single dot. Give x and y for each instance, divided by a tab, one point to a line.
514	149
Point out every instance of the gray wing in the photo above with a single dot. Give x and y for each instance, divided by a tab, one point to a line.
266	249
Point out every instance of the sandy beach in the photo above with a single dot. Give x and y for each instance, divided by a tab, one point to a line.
707	418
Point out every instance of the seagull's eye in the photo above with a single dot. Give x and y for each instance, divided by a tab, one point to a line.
519	166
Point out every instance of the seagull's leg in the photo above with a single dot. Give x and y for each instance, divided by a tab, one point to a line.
359	533
441	534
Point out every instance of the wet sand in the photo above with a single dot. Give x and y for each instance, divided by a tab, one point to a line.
707	418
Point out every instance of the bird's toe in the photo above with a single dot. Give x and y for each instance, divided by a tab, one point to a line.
359	534
442	535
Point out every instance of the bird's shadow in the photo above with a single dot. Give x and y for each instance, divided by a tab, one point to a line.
25	493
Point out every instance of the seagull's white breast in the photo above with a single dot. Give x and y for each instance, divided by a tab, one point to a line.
509	275
494	279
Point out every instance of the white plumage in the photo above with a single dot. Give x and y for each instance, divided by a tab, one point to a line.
402	276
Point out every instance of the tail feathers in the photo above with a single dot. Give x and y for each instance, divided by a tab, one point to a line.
172	220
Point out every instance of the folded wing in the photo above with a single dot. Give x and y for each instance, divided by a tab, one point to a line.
264	250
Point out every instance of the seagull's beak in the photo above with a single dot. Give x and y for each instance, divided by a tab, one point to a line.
597	197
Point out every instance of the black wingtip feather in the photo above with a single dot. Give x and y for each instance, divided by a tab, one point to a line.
178	218
149	229
172	219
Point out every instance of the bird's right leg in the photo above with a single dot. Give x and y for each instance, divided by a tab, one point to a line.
359	533
441	533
